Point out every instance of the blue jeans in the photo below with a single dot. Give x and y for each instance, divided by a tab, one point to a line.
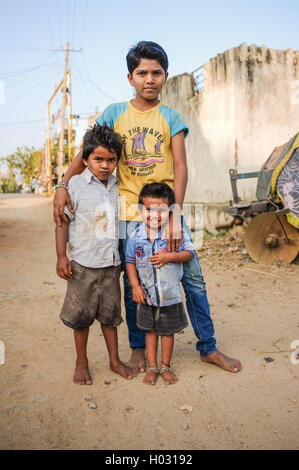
196	301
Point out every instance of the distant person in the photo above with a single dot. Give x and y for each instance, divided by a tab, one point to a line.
155	275
153	151
35	184
19	178
93	290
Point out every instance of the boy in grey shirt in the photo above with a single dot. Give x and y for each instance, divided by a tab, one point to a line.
93	290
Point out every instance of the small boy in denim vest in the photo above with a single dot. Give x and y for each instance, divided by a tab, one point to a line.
155	275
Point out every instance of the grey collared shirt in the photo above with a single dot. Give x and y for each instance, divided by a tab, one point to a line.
161	286
93	229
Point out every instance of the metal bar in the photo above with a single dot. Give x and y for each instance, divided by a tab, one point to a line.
239	176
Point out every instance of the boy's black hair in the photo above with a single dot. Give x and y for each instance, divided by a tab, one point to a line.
157	190
102	136
146	50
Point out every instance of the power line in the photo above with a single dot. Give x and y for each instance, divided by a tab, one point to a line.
74	20
95	84
59	22
84	21
67	20
21	122
21	48
32	77
78	75
41	120
26	92
20	72
49	22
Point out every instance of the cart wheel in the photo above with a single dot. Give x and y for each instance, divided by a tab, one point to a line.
269	238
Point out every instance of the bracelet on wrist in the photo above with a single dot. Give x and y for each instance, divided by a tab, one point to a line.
61	185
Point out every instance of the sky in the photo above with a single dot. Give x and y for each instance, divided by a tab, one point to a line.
34	33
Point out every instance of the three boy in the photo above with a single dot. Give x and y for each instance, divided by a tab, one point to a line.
153	151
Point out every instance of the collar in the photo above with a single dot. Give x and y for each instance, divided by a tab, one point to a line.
143	232
89	176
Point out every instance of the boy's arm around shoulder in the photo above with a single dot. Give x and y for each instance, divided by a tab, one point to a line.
180	168
175	236
185	253
63	266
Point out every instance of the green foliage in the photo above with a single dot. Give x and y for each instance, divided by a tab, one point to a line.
221	232
206	235
8	185
26	160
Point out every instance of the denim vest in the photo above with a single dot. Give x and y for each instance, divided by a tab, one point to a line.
161	286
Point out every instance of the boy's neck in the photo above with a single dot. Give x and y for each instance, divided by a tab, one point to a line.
152	233
144	105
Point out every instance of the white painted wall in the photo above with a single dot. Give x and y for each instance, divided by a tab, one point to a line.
249	105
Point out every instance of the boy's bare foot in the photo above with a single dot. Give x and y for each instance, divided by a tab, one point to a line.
123	370
168	375
225	362
151	376
137	360
81	374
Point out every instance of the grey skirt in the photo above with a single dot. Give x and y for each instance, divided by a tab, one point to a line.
164	320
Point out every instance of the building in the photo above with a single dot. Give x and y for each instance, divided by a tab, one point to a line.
243	104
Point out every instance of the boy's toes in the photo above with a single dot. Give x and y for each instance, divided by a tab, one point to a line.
82	375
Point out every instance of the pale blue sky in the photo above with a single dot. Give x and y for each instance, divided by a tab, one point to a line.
191	32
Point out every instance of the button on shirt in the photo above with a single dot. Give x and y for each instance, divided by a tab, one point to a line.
93	229
161	286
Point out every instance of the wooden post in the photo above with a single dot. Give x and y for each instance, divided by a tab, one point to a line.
48	152
69	117
60	155
48	164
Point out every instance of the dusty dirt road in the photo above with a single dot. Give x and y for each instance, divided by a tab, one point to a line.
254	309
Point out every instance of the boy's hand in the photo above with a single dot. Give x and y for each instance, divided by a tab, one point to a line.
64	268
61	199
175	232
159	259
138	294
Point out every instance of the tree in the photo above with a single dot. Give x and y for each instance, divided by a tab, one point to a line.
26	160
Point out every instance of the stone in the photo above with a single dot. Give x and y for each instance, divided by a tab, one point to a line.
186	408
92	405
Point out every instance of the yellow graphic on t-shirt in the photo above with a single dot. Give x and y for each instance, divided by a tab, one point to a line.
139	153
147	153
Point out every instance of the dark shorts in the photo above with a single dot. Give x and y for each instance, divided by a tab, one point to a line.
164	320
92	294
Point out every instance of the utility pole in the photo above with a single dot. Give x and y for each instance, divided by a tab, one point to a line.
49	144
66	100
60	155
69	116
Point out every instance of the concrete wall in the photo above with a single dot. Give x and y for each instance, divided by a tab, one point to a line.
248	106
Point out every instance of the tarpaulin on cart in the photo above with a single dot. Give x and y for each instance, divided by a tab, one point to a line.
285	180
